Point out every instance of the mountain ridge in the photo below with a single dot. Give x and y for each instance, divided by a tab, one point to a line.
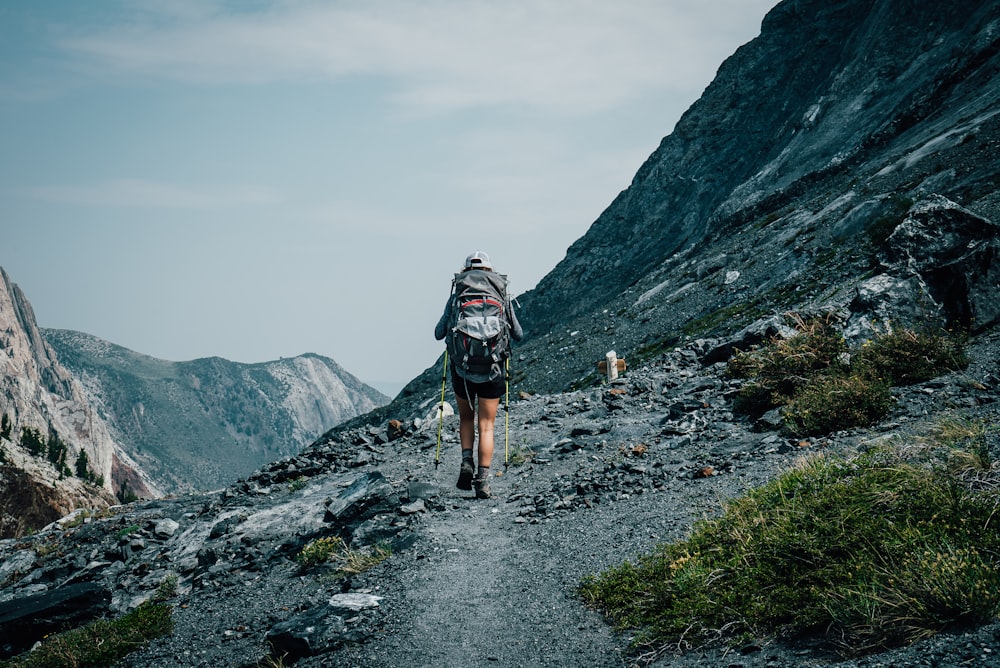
88	423
212	419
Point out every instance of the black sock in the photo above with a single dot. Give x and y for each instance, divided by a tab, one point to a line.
466	455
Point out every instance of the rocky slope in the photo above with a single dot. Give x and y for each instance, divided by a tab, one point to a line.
199	425
845	160
40	394
597	476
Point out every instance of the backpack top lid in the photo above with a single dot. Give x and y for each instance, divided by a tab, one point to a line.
478	260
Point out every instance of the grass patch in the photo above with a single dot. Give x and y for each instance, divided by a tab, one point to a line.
100	643
126	531
707	324
868	553
333	550
655	348
519	456
821	387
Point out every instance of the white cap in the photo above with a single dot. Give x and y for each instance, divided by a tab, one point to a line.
478	260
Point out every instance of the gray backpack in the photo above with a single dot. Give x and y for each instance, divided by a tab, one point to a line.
478	331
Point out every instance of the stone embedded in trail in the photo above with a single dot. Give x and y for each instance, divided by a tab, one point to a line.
307	634
322	628
422	490
165	528
417	506
354	602
364	493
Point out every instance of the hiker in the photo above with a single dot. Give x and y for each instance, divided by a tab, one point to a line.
479	322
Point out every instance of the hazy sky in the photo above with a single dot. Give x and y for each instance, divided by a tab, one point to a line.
260	179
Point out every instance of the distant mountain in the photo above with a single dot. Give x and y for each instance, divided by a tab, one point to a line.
84	422
203	423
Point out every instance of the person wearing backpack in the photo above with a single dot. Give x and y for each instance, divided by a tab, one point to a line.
478	323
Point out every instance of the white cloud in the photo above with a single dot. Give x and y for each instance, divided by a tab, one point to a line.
545	55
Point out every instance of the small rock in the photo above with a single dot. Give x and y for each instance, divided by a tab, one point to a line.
165	528
413	508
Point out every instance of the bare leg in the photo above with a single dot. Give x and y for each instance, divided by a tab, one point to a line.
487	416
467	436
467	424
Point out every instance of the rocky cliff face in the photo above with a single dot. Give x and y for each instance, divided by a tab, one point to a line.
39	394
779	187
201	424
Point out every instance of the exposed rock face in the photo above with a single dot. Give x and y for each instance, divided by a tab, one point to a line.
201	424
38	393
782	183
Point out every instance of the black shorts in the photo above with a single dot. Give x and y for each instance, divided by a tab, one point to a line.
493	389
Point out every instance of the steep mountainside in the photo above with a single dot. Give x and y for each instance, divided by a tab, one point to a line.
38	396
778	187
812	142
201	424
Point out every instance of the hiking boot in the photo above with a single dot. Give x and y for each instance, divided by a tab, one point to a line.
483	488
465	475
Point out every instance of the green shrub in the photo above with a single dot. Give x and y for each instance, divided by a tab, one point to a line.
906	356
820	391
866	553
319	551
831	403
778	369
126	531
298	483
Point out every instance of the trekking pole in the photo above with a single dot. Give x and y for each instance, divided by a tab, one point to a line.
506	415
444	376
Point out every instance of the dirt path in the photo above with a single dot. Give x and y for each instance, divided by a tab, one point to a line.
484	587
481	589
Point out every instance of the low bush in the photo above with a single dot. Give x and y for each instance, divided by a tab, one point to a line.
821	387
871	552
779	369
319	551
907	356
833	402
